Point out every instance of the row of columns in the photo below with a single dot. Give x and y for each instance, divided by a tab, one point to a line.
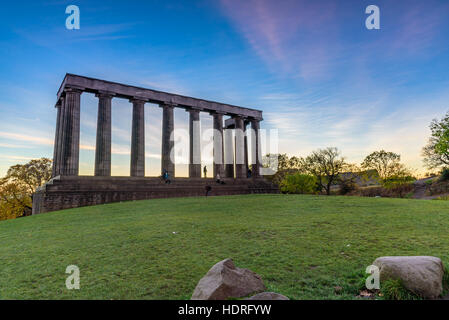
67	138
66	153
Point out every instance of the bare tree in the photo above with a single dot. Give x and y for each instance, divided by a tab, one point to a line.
325	165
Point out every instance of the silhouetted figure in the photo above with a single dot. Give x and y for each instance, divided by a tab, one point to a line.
205	172
166	177
208	189
249	173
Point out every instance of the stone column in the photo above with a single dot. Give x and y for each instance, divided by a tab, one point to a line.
55	168
195	143
229	153
138	139
239	149
168	143
255	146
218	144
245	146
70	140
103	146
59	144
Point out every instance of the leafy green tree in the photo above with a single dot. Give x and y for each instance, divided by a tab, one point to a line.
295	163
283	161
298	183
14	200
436	152
387	164
17	187
325	165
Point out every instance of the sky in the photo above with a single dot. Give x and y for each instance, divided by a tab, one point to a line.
321	78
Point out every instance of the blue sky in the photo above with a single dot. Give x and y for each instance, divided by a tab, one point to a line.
320	77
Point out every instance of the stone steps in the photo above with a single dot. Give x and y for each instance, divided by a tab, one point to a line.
77	191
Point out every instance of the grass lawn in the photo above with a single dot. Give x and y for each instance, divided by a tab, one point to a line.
302	246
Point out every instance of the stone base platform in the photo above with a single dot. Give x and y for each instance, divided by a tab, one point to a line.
64	192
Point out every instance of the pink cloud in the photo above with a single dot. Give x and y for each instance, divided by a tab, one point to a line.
418	26
285	33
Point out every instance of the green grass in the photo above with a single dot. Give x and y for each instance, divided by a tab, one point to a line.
395	290
302	246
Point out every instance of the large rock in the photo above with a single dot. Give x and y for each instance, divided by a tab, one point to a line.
268	296
225	281
422	275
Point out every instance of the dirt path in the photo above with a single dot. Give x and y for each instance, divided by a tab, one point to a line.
420	190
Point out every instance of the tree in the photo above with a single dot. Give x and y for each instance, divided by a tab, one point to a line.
17	187
294	163
283	161
325	165
298	183
349	179
281	166
387	164
275	162
436	152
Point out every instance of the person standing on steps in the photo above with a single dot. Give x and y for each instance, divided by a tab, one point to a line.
205	172
166	177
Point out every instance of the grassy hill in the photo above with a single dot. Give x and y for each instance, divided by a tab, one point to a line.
302	246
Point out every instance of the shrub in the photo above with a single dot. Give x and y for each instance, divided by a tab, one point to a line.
347	186
299	183
280	175
446	198
444	174
405	190
399	185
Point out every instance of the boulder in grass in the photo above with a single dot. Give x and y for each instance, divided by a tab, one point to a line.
422	275
224	280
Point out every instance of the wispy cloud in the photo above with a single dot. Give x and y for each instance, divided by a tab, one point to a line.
418	26
52	38
14	146
359	128
27	138
306	39
291	36
17	158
